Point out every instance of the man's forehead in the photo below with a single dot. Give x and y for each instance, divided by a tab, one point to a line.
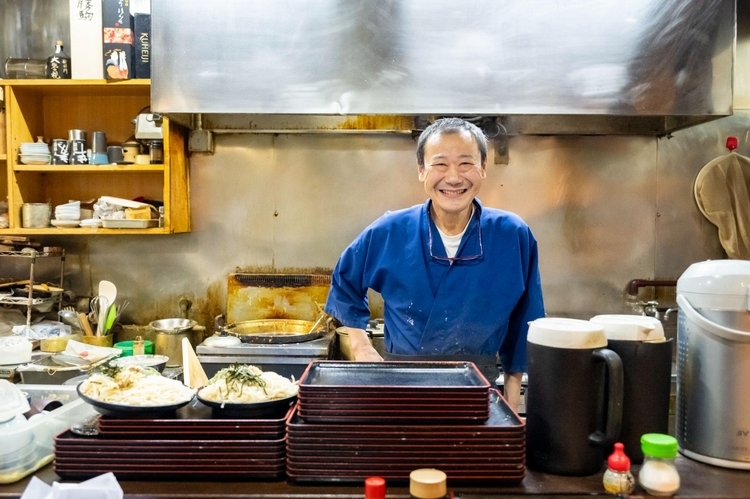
436	141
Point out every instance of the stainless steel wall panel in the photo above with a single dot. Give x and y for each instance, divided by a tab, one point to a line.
644	57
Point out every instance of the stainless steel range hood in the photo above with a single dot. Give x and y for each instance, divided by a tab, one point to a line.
579	66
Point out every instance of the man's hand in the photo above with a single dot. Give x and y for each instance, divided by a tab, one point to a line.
362	349
513	389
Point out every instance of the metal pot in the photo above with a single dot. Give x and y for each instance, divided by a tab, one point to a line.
168	338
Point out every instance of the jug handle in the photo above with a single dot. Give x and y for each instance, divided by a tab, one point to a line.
614	398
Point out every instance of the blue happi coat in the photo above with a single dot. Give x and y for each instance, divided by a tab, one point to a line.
479	306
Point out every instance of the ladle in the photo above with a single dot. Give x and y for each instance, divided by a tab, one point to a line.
70	317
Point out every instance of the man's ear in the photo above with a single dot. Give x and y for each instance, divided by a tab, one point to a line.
422	171
483	170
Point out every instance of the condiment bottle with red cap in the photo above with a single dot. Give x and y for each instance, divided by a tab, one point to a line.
618	479
375	487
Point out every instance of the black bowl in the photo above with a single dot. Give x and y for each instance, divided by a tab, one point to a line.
277	407
131	411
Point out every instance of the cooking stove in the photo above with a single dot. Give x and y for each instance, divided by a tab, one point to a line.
286	359
272	296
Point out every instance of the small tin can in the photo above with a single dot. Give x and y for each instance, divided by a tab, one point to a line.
60	152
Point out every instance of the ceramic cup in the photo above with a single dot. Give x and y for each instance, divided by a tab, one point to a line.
114	154
129	151
142	159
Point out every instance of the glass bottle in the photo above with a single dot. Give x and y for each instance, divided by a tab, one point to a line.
58	64
156	152
618	479
658	474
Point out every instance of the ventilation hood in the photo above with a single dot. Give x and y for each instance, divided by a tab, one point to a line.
547	66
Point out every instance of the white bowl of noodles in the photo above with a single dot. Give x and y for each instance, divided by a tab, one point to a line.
133	391
245	391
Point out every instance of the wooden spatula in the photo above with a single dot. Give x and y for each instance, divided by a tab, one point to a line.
193	374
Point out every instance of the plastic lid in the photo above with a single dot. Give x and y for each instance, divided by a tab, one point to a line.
630	327
718	277
566	333
427	483
659	445
375	487
12	401
618	461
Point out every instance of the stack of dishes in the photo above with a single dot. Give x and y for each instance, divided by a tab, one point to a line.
493	451
67	215
35	153
188	445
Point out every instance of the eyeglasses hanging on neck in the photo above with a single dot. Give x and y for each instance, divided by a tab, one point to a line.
456	258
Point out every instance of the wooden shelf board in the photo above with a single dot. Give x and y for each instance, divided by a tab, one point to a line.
88	168
3	157
82	87
81	231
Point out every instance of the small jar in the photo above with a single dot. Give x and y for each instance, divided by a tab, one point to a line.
618	479
658	475
139	347
156	152
428	483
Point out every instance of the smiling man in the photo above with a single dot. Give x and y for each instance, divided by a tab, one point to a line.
459	281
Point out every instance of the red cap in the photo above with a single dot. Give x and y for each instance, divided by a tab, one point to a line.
731	143
375	487
618	461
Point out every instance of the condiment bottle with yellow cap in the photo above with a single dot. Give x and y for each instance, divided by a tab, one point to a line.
428	483
139	348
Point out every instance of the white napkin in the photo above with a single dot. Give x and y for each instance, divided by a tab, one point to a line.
88	352
100	487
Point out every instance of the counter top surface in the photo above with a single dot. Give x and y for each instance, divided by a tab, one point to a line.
698	480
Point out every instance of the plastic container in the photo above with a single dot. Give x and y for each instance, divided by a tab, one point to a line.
658	475
375	487
127	347
38	434
618	479
428	483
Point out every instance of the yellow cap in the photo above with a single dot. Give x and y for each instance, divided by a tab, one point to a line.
427	483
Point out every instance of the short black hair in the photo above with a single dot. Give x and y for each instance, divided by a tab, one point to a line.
448	126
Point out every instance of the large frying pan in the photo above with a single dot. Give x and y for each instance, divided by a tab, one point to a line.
273	330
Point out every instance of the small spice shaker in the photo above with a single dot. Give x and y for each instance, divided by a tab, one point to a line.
139	348
375	487
658	474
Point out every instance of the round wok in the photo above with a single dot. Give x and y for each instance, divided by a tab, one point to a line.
276	331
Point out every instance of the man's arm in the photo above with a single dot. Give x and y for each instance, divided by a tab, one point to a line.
362	349
513	389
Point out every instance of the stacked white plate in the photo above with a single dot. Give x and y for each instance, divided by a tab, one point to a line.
67	215
91	222
35	153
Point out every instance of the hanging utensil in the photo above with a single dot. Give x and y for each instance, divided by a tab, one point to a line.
101	323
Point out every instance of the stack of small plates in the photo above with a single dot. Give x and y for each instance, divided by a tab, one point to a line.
67	215
35	153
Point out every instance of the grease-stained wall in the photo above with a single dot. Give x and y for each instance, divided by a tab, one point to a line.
604	210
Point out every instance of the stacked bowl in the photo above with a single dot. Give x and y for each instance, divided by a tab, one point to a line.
35	153
67	215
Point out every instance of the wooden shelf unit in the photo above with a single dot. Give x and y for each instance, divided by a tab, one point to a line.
49	108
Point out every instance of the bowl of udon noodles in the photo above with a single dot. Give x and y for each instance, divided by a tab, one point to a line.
245	391
133	391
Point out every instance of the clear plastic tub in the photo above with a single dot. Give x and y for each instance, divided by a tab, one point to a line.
33	442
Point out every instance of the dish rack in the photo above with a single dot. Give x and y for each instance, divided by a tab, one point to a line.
31	303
